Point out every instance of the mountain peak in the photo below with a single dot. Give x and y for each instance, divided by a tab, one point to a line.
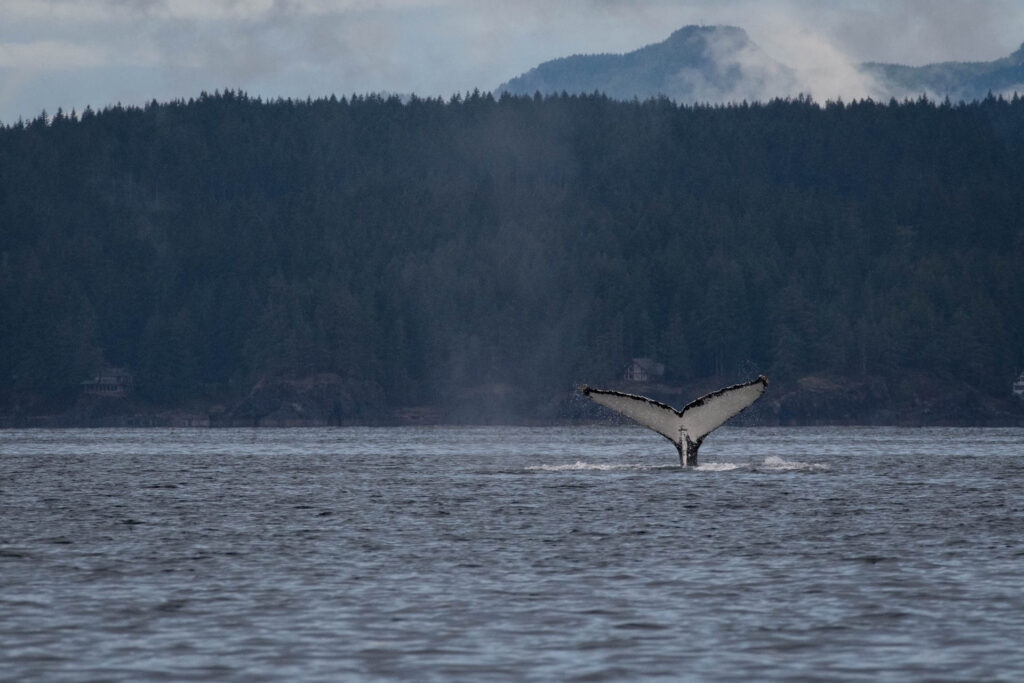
695	63
696	41
722	64
693	30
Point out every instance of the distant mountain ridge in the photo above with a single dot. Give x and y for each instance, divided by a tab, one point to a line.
966	81
718	64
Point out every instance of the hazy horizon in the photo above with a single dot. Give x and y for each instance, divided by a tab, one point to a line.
69	53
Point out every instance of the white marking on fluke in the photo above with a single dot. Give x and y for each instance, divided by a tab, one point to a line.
685	428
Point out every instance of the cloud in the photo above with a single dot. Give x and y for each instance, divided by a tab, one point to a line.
439	47
917	32
50	55
821	69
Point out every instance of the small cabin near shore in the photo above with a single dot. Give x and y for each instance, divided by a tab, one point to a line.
111	382
643	370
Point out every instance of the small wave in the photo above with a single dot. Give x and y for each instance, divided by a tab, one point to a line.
718	466
772	462
579	465
775	462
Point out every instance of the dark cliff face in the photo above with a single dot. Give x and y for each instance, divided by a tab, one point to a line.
321	399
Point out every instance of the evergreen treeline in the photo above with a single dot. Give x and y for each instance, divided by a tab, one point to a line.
429	246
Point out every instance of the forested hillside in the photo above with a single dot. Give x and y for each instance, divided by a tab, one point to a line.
429	251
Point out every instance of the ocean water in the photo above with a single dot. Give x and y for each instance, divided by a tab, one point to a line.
444	553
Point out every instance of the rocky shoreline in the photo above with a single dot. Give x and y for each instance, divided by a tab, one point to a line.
915	400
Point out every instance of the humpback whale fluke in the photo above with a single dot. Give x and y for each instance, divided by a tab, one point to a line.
685	428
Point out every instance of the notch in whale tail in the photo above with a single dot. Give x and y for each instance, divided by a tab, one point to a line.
685	428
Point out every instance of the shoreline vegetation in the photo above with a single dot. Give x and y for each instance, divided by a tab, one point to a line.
380	260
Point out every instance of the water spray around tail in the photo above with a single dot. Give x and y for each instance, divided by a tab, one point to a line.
686	428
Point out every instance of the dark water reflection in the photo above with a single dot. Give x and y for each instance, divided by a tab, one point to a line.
557	553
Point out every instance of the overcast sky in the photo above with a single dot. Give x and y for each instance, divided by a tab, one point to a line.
69	53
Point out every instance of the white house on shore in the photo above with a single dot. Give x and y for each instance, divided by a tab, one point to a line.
643	370
113	382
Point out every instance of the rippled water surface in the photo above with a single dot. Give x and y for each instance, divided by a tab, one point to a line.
511	553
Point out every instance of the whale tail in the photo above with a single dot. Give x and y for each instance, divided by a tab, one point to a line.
688	427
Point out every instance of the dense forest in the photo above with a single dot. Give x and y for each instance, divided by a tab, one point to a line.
428	251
